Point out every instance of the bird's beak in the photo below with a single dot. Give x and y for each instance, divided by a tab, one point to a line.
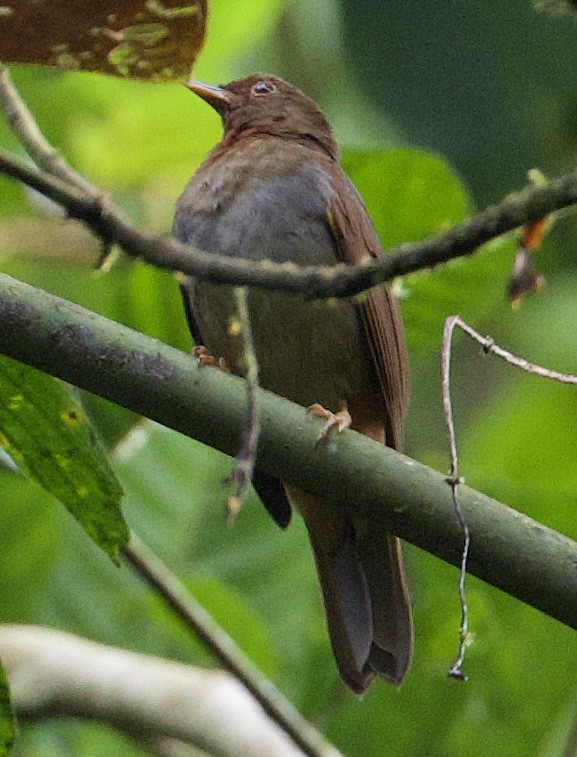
220	99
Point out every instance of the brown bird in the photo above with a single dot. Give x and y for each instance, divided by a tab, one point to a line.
273	190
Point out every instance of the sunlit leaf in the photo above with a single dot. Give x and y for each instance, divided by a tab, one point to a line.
410	194
414	195
141	39
44	429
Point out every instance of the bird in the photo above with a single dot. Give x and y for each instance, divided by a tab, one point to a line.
273	189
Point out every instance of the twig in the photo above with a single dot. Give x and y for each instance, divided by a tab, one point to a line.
56	674
246	457
45	155
489	347
108	222
168	586
456	669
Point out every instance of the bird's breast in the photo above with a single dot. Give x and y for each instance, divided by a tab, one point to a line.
307	351
275	208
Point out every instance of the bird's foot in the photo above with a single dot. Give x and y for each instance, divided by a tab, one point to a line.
205	358
335	422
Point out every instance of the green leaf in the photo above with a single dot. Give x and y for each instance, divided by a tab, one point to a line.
7	720
412	195
44	429
30	543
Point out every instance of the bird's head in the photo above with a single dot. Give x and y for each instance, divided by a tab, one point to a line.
263	104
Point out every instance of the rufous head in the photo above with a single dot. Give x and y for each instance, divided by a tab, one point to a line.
263	104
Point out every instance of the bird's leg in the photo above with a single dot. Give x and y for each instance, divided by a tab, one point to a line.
205	358
338	421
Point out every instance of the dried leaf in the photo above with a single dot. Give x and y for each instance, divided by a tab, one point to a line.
140	39
523	279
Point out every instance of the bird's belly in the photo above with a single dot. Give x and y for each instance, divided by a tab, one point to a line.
307	351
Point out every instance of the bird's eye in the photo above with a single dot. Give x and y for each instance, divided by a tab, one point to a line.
263	88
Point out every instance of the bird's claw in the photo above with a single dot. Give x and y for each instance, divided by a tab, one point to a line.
335	422
205	358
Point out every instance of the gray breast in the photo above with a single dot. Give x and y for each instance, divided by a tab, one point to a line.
258	213
307	351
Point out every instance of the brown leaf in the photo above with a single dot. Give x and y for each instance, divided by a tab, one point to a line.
141	39
523	279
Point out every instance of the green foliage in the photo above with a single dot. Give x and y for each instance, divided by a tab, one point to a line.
175	499
412	195
46	432
30	543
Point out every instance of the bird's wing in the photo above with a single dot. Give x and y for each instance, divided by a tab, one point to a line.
185	286
356	241
373	554
269	489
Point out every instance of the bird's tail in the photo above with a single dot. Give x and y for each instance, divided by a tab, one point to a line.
366	601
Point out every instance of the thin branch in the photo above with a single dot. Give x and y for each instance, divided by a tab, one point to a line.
45	155
246	457
109	223
165	583
446	388
52	673
489	347
456	670
513	552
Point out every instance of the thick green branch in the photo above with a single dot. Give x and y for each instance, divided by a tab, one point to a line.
508	549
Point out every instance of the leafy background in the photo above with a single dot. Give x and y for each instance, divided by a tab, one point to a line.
441	109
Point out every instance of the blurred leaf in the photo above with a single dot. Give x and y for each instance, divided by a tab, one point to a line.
412	195
11	193
237	29
7	720
520	443
45	431
544	328
171	133
157	39
521	446
232	613
559	740
29	543
472	287
153	305
65	737
250	632
175	500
